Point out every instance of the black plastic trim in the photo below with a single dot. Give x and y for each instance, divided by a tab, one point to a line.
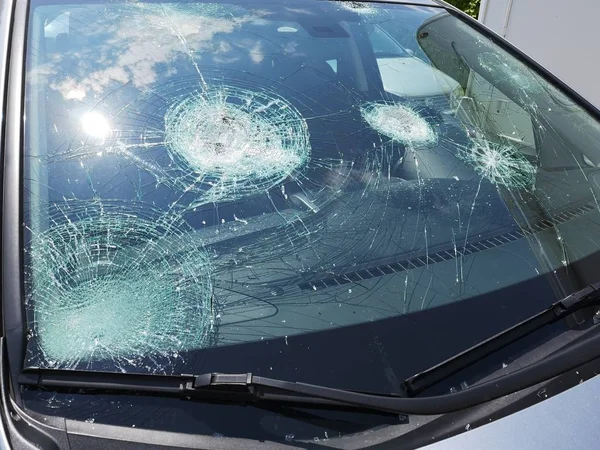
24	431
12	286
6	14
80	436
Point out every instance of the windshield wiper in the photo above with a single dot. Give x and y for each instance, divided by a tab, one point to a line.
241	388
416	384
244	388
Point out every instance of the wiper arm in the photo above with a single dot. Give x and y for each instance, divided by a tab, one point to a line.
247	387
418	383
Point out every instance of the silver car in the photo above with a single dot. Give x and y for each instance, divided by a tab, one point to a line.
276	224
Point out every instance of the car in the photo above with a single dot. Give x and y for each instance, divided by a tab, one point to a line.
291	224
405	75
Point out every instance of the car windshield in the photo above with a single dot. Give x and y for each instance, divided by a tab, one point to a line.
276	186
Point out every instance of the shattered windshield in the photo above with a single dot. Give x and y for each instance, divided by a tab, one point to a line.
205	175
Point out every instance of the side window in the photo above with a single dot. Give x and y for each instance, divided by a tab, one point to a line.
384	46
487	108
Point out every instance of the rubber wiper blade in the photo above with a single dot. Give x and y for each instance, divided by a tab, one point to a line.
416	384
244	388
240	388
221	387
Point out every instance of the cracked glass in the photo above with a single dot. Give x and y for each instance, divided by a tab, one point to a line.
200	175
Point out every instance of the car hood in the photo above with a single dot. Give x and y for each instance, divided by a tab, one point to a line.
541	426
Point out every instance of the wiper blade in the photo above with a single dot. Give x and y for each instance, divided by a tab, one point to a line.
248	387
243	388
416	384
309	394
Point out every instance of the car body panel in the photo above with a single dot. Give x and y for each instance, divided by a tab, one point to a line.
567	420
